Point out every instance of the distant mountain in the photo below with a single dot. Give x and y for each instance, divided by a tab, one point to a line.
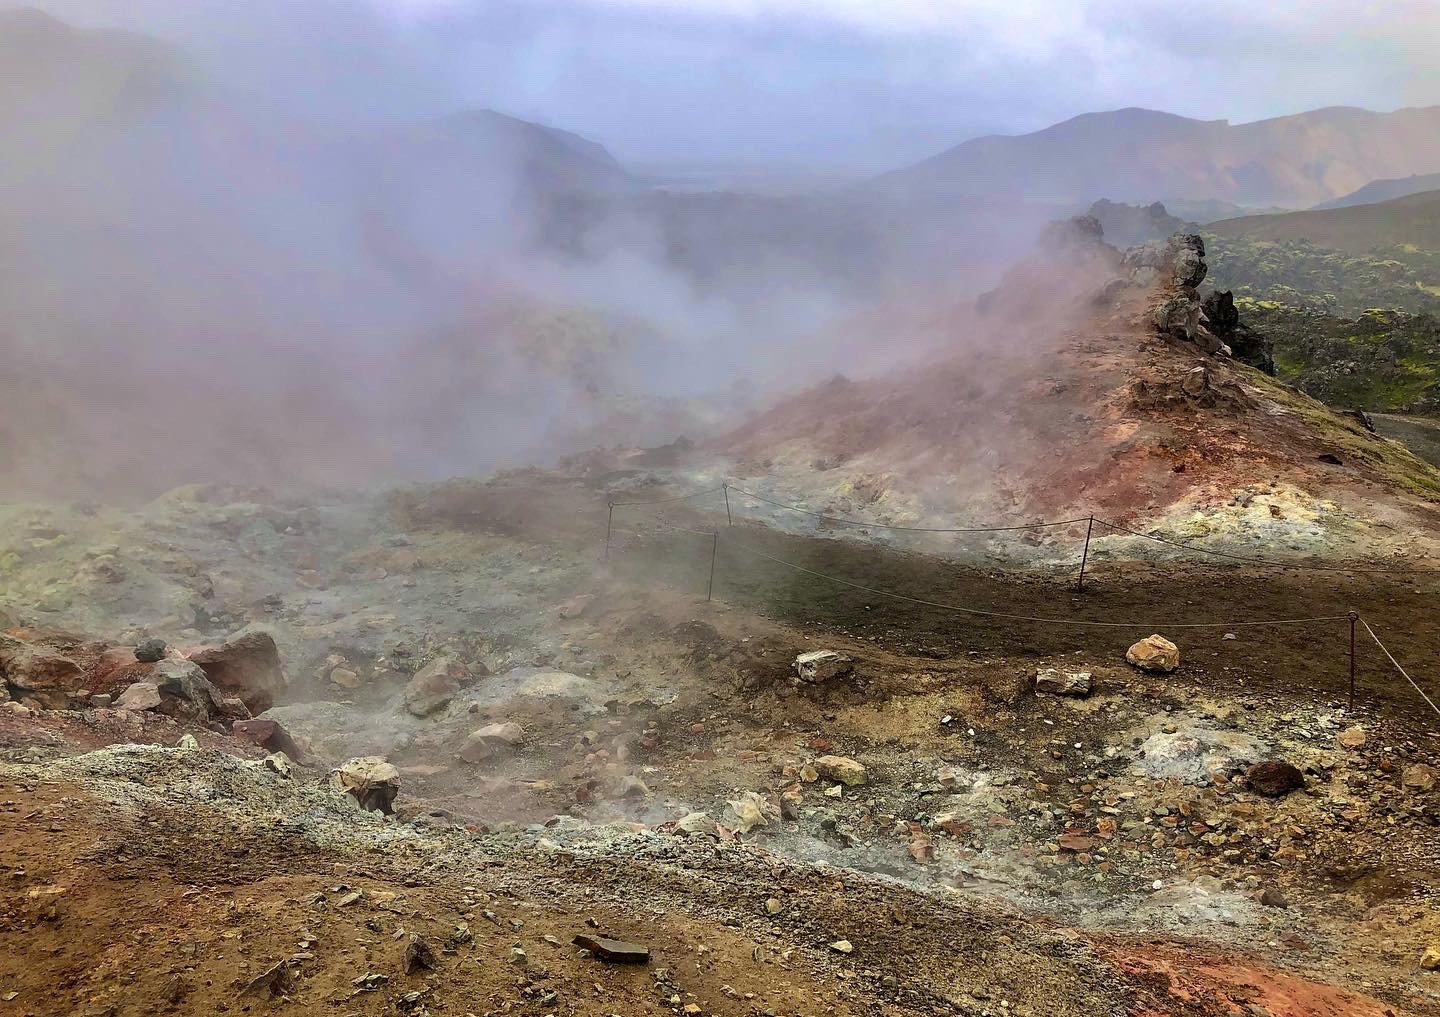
1139	155
1413	220
1384	190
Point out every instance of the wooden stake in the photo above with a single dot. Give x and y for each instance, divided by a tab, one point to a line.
1085	555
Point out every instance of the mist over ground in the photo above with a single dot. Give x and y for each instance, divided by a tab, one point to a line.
317	243
200	284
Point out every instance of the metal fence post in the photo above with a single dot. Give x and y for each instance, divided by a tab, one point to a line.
1085	555
714	548
1354	617
728	520
609	521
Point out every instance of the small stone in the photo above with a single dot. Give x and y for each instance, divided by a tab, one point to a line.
278	762
370	780
841	768
187	741
1154	653
139	696
1063	683
1419	777
773	906
491	740
345	678
1352	738
1270	897
842	946
150	651
1430	959
819	666
418	955
101	700
614	951
1274	778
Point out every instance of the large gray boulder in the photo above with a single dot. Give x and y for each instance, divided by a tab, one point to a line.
247	666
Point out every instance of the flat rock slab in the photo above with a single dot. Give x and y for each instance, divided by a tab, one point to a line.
614	951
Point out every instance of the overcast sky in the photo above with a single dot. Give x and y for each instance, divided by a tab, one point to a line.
816	85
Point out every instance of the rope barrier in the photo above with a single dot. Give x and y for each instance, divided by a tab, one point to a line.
1041	619
665	501
1036	618
1402	671
908	529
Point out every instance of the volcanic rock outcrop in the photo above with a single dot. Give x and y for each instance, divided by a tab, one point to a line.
1212	323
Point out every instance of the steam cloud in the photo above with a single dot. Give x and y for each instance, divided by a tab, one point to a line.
202	283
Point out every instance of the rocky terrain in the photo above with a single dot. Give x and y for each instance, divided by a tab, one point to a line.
431	752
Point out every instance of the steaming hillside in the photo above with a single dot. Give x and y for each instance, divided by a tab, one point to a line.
1142	155
1051	407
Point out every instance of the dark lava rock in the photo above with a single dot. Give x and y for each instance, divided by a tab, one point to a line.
614	951
150	651
1274	778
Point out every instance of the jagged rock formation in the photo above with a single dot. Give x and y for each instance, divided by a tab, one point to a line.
1212	323
1246	345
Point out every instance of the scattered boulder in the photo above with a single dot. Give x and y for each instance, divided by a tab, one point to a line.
1419	777
491	740
185	690
752	810
613	951
268	734
370	780
1352	738
819	666
433	686
38	673
279	762
418	955
187	741
149	651
1155	654
247	666
272	982
697	824
842	769
1063	683
139	696
1430	959
1274	778
1270	898
1195	753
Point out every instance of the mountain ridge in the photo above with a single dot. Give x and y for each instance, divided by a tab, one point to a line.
1141	155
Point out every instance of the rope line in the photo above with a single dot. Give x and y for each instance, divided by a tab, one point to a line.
664	501
1273	563
909	529
1036	618
1402	671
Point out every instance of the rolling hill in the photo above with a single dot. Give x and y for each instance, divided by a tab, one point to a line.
1384	190
1413	221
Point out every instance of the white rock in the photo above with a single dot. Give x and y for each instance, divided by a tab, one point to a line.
822	665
